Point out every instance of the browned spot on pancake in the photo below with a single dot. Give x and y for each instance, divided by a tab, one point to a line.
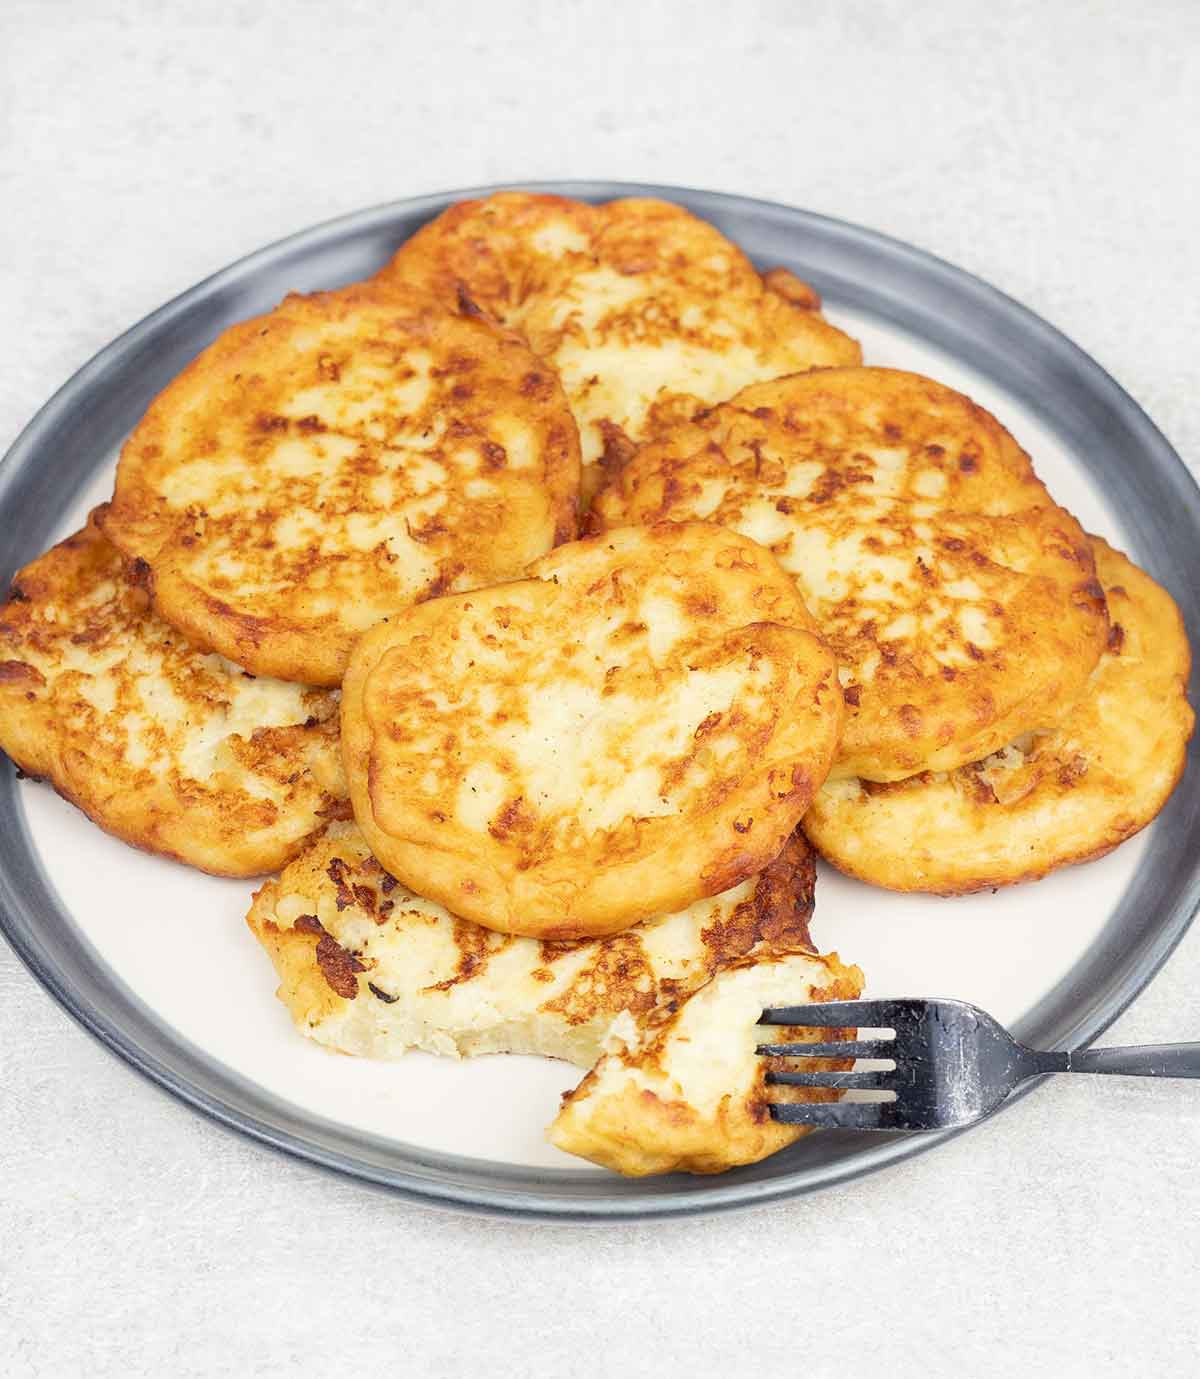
20	673
336	871
619	978
430	528
618	448
442	583
467	306
338	967
515	816
910	719
1116	639
978	788
836	479
537	385
852	694
1072	771
776	916
475	946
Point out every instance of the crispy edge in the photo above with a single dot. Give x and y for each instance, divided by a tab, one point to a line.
1121	830
479	880
277	647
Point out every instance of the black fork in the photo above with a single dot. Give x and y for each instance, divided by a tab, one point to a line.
952	1063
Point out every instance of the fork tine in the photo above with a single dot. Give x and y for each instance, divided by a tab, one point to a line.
846	1048
830	1014
869	1080
837	1115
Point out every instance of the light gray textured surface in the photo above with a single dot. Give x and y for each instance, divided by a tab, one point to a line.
1050	148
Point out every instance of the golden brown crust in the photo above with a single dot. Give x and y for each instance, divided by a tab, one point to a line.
1067	795
683	1091
366	967
345	455
646	312
369	967
960	600
638	724
167	748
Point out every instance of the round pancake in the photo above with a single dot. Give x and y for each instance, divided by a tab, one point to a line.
1057	797
682	1090
961	601
646	312
638	724
169	748
366	967
341	457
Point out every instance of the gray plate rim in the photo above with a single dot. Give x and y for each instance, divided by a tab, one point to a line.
852	266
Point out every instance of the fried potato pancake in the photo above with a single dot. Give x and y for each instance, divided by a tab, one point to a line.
682	1090
169	748
646	312
343	456
961	601
638	724
1054	798
366	967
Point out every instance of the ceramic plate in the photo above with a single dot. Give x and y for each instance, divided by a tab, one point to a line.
88	915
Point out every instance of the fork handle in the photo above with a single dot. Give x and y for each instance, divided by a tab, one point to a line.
1139	1060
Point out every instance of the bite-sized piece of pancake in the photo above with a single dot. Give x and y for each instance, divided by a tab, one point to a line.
961	601
366	967
1054	798
171	749
646	312
682	1090
639	723
343	456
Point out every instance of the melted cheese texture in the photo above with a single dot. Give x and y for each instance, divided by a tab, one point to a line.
646	312
1049	799
341	457
169	748
369	968
961	601
638	724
